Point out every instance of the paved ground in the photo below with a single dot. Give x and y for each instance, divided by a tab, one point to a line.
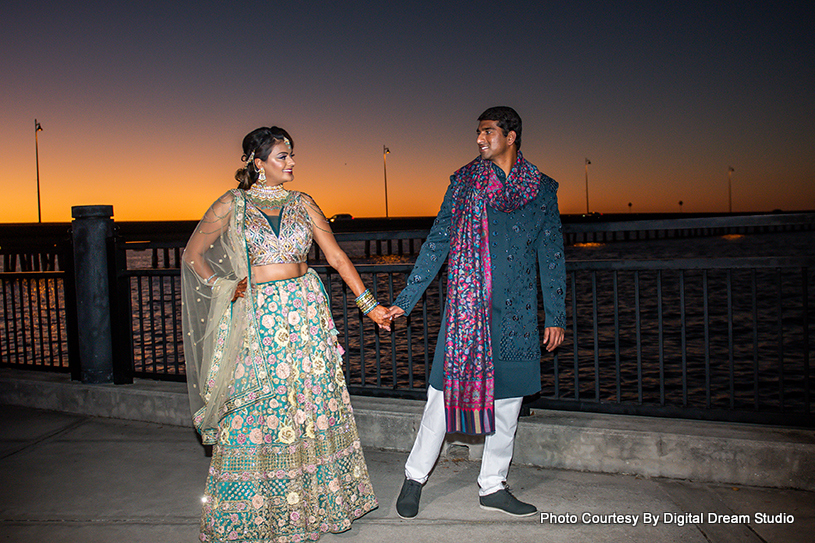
70	478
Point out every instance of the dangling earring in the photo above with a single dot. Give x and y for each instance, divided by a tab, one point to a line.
262	175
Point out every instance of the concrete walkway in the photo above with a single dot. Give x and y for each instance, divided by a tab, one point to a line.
70	477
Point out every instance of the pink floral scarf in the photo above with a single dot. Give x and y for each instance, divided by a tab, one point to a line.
469	374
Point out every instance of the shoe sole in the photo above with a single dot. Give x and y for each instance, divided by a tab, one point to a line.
516	515
405	518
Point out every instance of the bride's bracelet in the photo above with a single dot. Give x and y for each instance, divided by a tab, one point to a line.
366	302
210	278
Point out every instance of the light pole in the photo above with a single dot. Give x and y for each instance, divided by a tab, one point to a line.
37	128
730	171
587	185
385	152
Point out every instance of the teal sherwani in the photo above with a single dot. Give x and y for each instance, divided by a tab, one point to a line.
520	240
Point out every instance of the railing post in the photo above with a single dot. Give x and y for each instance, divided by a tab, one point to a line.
66	261
92	226
121	310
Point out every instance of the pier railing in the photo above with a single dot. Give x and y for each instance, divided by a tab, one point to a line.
721	339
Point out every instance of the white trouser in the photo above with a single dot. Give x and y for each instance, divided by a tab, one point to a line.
497	447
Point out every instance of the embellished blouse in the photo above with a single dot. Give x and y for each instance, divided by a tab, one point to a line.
292	241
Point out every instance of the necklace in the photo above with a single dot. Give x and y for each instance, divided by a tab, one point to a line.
265	196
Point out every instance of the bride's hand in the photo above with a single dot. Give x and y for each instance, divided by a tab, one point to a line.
379	315
240	288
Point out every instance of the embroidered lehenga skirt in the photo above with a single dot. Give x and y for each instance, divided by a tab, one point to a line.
287	465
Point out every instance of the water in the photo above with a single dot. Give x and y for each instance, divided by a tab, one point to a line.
656	365
699	371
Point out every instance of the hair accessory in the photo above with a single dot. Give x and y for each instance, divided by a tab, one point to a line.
366	302
250	159
286	141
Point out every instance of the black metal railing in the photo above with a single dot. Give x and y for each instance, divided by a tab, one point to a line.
723	339
34	321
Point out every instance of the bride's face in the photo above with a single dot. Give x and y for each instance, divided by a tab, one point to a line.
279	165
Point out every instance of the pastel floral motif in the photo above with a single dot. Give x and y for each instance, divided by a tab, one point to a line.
318	365
256	436
292	498
267	321
299	417
237	422
322	422
258	501
281	337
272	422
310	429
286	435
283	370
294	318
334	485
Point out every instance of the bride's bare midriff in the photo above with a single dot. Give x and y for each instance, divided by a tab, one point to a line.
276	272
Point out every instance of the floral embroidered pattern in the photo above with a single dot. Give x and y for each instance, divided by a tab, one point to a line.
288	464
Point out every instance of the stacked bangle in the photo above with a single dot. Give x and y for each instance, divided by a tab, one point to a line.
208	279
366	302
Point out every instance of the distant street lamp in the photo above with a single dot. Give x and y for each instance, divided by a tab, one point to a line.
730	171
37	128
680	206
629	206
385	152
587	185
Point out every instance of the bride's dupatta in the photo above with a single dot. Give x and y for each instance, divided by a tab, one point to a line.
213	325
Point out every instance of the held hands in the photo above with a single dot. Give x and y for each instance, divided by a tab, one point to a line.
394	311
379	315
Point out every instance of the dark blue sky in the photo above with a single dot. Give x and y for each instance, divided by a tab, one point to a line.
144	105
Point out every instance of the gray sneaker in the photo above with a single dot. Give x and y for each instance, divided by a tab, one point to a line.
505	502
407	504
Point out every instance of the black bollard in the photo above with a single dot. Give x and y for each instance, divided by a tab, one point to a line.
92	226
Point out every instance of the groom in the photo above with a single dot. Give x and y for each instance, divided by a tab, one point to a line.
498	217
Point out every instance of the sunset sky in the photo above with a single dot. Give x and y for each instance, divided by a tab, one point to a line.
144	104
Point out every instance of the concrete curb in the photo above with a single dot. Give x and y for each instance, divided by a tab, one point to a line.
739	454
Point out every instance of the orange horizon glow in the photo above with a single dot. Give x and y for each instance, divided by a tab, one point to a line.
157	186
